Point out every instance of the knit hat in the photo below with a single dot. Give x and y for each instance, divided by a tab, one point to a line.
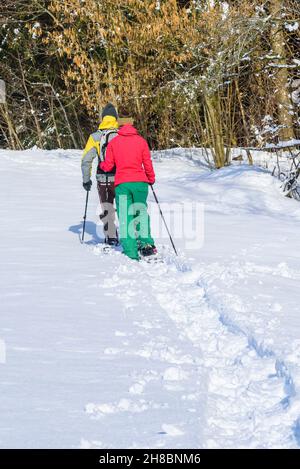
109	110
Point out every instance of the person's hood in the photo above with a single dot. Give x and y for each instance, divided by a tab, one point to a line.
127	130
108	122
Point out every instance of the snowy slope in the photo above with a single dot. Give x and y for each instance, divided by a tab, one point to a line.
201	351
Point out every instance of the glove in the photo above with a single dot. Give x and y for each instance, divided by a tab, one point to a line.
87	185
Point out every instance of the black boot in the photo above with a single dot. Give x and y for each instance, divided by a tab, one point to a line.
148	250
112	241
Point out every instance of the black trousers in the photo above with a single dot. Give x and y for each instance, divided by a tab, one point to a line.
107	195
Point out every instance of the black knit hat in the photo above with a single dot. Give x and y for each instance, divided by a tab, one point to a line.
109	110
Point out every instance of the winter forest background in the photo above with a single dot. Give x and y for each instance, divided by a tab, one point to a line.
206	73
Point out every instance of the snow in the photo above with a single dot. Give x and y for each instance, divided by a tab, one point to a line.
98	351
291	26
285	144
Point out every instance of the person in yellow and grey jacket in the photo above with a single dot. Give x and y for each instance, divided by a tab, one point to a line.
96	147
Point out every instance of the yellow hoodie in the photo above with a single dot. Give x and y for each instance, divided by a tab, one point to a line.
109	122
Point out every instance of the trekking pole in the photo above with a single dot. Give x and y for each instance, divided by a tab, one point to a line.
84	216
163	218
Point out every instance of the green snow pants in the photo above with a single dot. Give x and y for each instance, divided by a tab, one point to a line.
131	201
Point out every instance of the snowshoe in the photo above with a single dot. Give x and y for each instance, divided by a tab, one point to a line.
149	254
109	244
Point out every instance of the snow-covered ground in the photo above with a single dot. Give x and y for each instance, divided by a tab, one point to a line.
200	351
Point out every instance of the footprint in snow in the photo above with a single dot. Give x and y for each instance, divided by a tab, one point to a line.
171	430
97	411
175	374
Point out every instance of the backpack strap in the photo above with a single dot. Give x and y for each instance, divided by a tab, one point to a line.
103	145
105	136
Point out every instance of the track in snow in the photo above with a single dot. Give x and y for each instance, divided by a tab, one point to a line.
248	395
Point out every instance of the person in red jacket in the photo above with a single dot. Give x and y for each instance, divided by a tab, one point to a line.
130	155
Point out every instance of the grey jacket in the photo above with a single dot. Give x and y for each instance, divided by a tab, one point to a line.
92	151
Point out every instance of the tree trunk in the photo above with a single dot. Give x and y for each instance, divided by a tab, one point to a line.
283	100
212	112
14	139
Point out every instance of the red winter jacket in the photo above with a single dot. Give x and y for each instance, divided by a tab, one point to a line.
130	154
